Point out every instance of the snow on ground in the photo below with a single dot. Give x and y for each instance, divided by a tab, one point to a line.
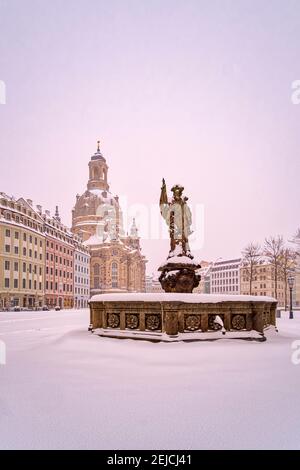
63	387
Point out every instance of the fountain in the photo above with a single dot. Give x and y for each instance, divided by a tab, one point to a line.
178	314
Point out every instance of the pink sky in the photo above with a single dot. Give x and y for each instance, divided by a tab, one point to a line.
198	92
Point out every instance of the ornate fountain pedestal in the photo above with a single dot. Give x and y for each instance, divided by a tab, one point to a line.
181	317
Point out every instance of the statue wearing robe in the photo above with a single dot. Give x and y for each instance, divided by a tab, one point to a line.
178	217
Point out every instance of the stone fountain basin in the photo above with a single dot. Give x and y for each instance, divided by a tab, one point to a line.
181	317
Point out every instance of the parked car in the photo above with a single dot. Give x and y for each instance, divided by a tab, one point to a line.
57	308
45	308
17	308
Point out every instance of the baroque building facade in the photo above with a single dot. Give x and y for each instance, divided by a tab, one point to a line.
117	263
22	254
41	261
59	263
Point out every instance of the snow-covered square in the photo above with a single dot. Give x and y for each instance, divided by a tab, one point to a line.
65	388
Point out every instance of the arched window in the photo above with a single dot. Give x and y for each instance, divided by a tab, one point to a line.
96	269
96	173
114	275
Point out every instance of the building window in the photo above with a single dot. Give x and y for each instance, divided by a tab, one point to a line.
24	283
96	269
114	275
16	283
7	248
7	265
7	233
6	282
17	235
24	237
16	250
16	267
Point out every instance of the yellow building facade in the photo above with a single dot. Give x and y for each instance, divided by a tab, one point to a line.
263	283
22	254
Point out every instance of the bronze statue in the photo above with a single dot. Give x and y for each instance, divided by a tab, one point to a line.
178	272
178	217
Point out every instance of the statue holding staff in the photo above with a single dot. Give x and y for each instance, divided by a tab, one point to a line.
178	217
178	272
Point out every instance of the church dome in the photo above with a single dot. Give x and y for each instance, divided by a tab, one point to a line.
90	201
97	208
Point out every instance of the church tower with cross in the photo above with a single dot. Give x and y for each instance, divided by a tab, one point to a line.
98	171
117	263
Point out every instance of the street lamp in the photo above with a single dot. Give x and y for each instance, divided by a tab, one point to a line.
291	281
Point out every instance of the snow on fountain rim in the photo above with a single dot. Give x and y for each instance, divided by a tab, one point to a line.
178	297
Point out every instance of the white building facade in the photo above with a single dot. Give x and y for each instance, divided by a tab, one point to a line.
152	284
225	277
81	274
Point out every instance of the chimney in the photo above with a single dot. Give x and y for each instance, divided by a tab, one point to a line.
47	212
29	201
39	209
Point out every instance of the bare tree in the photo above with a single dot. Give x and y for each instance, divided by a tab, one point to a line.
251	258
273	251
287	265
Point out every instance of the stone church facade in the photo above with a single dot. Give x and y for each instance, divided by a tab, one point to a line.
117	263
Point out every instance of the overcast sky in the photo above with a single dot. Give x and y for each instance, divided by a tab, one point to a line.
196	91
